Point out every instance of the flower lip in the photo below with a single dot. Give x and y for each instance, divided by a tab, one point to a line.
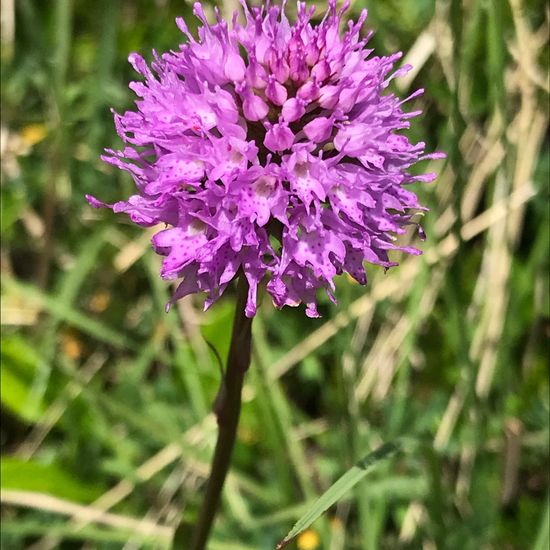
265	185
196	227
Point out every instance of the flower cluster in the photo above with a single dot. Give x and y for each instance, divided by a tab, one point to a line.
269	148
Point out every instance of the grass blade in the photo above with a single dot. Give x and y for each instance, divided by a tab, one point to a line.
339	489
543	535
68	314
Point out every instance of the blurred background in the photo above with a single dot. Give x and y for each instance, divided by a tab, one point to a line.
107	429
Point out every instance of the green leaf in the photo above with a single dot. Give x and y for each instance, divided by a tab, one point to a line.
19	365
339	489
23	475
88	533
543	536
65	312
217	327
11	206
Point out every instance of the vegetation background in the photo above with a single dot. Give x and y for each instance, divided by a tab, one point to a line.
106	401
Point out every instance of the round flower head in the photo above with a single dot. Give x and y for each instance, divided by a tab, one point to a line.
270	148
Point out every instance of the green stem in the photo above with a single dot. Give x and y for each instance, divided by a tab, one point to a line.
227	409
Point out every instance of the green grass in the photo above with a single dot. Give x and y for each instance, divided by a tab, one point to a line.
106	399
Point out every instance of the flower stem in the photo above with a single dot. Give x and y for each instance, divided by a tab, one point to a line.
227	408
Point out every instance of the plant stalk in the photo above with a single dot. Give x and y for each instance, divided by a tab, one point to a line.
227	408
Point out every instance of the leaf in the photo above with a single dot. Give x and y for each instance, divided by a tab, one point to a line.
19	365
543	536
217	327
24	475
89	534
65	312
339	489
11	206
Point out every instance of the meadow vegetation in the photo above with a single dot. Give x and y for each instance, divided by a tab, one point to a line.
107	429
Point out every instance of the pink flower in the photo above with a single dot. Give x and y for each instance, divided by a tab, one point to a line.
286	162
